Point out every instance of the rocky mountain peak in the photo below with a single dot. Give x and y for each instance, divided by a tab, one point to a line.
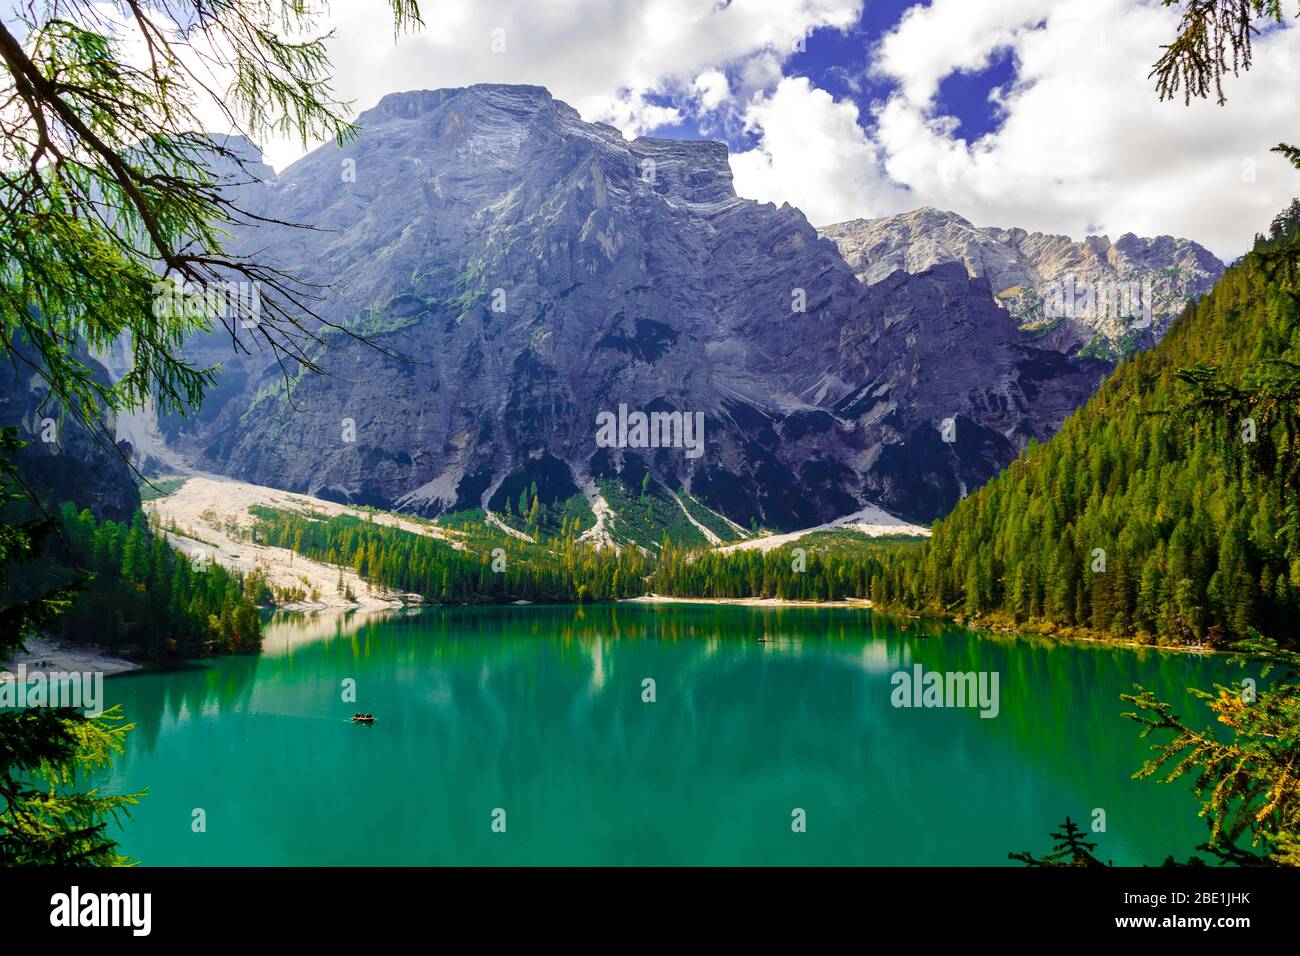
1031	273
518	99
526	272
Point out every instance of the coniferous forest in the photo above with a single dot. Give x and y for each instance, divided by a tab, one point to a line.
816	568
1133	520
140	595
499	568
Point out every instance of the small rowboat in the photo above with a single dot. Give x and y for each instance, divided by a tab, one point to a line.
363	718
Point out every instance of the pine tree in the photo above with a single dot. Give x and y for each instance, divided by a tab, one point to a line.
1071	849
44	819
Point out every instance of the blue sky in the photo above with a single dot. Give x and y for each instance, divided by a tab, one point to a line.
838	61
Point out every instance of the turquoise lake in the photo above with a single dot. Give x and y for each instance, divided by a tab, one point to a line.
538	712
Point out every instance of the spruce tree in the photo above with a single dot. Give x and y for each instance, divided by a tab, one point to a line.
44	817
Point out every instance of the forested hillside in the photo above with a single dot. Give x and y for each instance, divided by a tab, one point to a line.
1134	519
826	566
492	567
143	598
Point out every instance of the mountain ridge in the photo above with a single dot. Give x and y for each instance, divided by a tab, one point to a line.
535	270
1026	269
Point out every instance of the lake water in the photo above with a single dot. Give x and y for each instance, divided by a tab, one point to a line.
538	712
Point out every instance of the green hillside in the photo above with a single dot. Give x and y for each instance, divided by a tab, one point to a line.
487	566
1136	519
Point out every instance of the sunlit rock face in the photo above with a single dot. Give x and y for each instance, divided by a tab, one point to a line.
516	272
1095	296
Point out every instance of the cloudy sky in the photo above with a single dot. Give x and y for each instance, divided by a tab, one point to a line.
1033	113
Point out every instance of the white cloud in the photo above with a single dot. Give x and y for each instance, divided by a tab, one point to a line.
759	74
603	57
713	89
1085	145
813	153
930	43
632	112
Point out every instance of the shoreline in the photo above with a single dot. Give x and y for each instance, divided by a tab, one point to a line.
1066	637
1061	636
47	654
744	602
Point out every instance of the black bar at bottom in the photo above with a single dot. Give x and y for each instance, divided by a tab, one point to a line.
332	905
